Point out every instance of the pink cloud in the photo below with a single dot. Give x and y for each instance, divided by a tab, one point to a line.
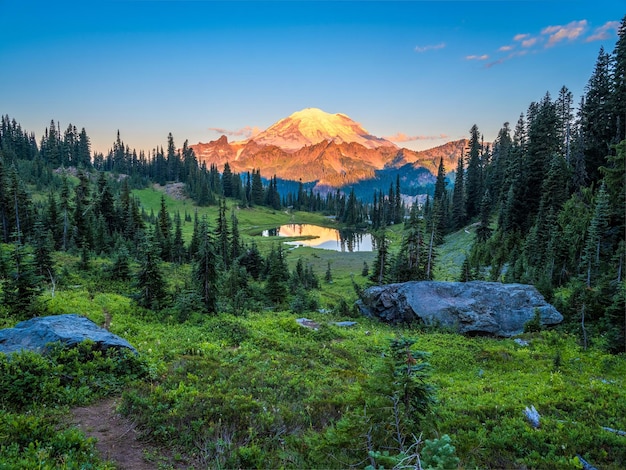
477	57
569	32
505	48
431	47
402	137
246	132
604	31
529	42
519	37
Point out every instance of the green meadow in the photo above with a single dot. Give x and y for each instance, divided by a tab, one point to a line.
258	390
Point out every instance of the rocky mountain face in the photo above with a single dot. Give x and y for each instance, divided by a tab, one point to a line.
329	149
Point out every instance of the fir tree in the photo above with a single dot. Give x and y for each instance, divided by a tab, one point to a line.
458	197
473	176
205	273
150	283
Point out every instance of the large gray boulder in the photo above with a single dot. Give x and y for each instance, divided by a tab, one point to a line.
37	333
477	307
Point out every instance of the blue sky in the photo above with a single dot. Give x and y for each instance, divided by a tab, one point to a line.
418	72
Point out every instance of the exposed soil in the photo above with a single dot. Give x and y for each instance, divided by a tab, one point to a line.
116	437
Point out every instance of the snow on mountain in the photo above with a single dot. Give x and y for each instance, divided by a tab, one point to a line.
311	126
329	149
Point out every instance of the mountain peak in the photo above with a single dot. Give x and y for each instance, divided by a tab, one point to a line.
311	126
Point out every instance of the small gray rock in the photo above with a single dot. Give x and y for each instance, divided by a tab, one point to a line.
37	333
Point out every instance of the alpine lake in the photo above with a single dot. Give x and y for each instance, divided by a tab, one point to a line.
324	238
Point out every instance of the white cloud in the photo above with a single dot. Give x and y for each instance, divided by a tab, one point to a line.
477	57
247	131
505	48
570	32
604	32
430	47
529	42
402	137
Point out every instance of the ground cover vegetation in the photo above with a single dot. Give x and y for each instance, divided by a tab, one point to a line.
164	252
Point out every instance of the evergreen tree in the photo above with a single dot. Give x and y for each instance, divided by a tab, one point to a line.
21	288
618	103
380	269
120	269
256	194
398	206
235	240
163	231
43	248
205	273
150	283
458	197
275	286
227	181
483	232
473	177
178	244
595	236
223	243
597	124
328	277
410	259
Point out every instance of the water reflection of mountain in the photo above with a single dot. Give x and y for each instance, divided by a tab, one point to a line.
323	237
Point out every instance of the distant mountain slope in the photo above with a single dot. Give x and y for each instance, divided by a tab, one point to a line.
329	149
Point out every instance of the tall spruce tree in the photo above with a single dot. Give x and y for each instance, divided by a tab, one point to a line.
474	175
205	272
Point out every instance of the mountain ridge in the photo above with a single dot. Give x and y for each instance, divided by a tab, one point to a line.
330	150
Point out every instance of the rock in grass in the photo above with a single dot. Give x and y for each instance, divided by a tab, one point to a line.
477	307
37	333
533	417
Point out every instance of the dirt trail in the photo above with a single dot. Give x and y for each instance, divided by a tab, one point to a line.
116	436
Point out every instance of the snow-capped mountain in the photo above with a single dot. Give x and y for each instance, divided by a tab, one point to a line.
311	126
314	146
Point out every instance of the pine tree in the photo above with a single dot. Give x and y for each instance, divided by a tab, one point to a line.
178	244
150	283
380	269
235	240
223	244
43	248
595	235
163	231
410	259
328	277
275	287
483	232
205	273
597	124
458	197
473	177
21	288
227	181
440	197
618	103
256	194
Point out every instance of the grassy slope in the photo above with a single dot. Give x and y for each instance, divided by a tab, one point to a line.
244	366
484	384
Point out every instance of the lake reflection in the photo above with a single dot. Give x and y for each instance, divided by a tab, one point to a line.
322	237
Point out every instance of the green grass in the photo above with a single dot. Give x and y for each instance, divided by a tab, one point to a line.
452	252
258	390
310	379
